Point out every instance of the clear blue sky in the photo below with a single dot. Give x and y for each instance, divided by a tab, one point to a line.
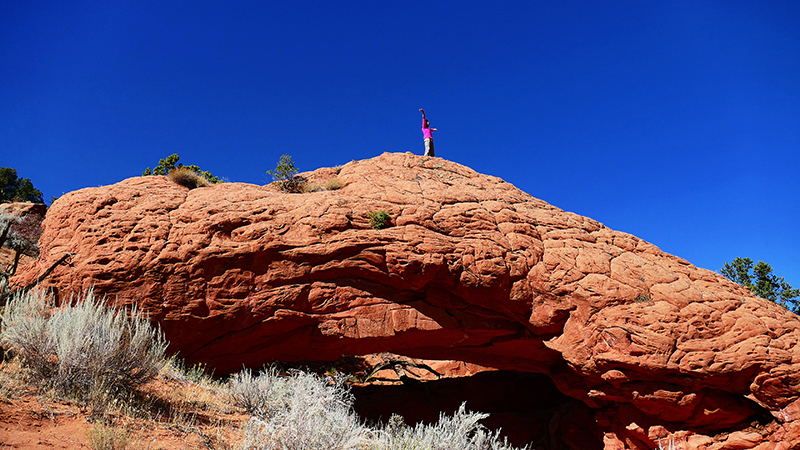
678	122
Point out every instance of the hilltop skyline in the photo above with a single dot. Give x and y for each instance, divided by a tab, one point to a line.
677	123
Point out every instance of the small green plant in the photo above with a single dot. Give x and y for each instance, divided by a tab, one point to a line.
285	175
643	297
378	219
170	163
187	177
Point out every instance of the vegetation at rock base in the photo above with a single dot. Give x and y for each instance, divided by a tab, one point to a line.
170	163
762	282
305	410
13	188
84	347
113	361
378	219
285	175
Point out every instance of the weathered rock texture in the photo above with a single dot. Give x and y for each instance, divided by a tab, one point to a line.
471	269
21	209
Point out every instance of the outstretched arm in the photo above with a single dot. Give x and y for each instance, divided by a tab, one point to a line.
423	112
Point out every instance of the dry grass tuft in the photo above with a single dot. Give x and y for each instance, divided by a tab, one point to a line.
108	437
12	383
334	184
305	188
187	178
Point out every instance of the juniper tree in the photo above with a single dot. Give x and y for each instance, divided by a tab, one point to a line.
170	163
762	282
13	188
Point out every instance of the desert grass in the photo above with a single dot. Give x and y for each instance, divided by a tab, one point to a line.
188	178
12	383
102	436
306	188
333	184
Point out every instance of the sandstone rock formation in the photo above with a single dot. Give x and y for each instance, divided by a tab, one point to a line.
470	269
21	209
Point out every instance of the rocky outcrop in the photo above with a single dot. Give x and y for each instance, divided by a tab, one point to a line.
21	209
469	269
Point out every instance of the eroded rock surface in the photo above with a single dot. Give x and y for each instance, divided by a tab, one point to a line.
470	269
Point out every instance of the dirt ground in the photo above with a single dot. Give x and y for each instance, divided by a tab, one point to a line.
180	415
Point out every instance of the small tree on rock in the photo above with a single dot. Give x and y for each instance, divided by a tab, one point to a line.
762	282
285	175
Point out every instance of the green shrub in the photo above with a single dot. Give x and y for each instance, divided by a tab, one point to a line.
187	178
378	219
14	188
285	175
170	163
82	350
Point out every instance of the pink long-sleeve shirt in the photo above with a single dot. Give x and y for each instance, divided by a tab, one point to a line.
426	131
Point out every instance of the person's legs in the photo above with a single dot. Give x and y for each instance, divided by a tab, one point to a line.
429	147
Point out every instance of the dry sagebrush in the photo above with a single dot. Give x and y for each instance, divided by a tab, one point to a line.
81	346
304	411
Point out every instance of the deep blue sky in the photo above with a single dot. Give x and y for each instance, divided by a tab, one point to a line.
678	122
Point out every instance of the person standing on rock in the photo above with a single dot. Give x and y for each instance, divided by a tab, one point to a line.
427	134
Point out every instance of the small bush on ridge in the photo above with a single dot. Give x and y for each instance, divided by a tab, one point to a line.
285	175
333	184
170	163
82	348
187	177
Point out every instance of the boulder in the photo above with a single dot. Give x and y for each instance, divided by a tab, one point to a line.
469	269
